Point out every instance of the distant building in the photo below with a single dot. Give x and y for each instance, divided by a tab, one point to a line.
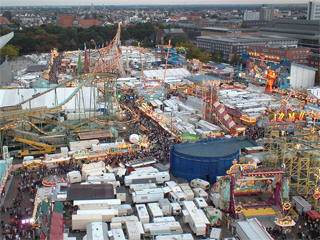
313	10
307	32
230	45
251	16
72	21
297	55
164	32
266	13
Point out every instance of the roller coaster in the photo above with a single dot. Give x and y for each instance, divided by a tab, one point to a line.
83	108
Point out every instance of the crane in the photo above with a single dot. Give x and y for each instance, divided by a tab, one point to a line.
284	102
39	148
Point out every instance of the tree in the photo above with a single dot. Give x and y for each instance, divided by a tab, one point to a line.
235	60
204	56
7	14
10	51
216	57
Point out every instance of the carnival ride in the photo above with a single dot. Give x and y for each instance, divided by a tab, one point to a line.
299	152
107	59
92	105
267	187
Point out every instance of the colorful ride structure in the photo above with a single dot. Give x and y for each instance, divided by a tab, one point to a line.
267	188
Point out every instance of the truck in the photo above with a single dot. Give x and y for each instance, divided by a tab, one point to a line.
147	195
300	204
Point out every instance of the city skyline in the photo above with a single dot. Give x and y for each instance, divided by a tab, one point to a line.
144	2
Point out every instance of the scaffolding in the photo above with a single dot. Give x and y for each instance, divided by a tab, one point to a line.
298	152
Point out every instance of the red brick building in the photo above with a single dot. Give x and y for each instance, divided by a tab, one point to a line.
72	21
297	55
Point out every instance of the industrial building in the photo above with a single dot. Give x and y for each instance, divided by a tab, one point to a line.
230	45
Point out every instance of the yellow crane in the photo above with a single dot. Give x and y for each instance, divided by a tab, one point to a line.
39	148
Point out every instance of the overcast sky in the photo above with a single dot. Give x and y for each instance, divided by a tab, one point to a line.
138	2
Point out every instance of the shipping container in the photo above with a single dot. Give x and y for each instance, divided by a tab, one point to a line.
300	204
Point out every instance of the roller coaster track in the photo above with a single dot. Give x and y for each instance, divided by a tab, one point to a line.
43	110
16	123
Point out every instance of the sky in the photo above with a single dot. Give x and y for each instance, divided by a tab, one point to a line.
139	2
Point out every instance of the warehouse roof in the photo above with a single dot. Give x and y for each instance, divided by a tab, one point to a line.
90	191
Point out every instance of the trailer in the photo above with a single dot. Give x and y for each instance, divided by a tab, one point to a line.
123	209
215	234
74	177
137	187
96	203
187	190
147	195
79	145
155	210
121	193
199	192
200	202
164	219
142	213
104	178
214	216
301	205
165	206
162	228
199	183
176	194
157	177
134	230
116	234
124	219
185	236
176	208
195	218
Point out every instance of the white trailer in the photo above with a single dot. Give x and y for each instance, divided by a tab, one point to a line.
147	195
165	206
104	178
144	170
197	221
123	209
164	219
162	228
116	234
176	194
74	176
200	202
214	216
134	230
199	183
78	145
215	234
96	204
176	208
158	177
124	219
301	205
155	210
80	222
185	236
142	213
106	214
187	190
199	192
137	187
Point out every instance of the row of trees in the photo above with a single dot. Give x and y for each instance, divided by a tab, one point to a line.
46	37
